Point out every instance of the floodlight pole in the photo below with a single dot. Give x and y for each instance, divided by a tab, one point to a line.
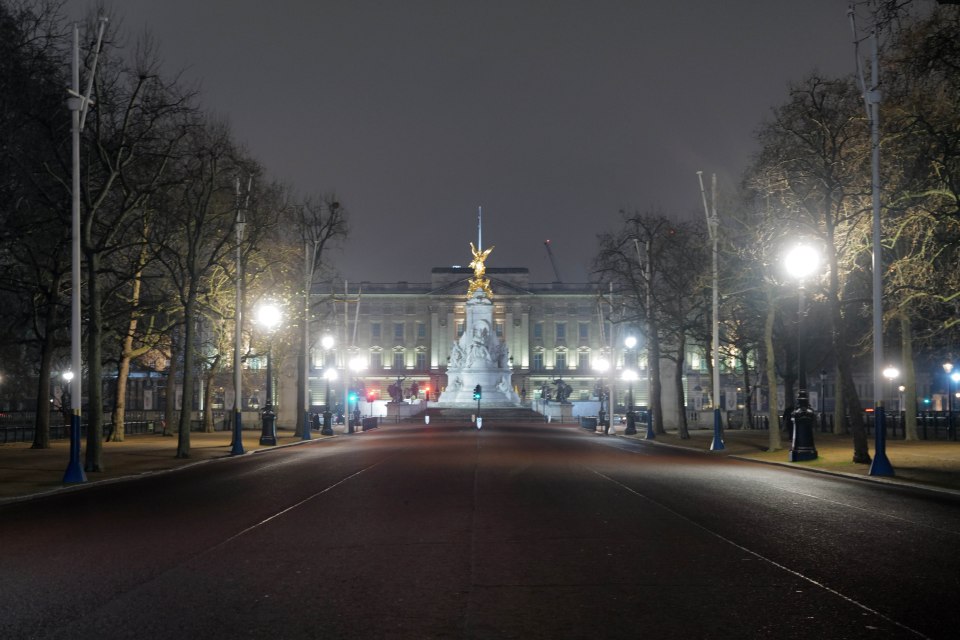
237	448
712	223
78	105
880	466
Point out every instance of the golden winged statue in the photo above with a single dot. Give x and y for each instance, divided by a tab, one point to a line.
479	282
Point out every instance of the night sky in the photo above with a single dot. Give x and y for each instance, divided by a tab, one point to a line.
551	115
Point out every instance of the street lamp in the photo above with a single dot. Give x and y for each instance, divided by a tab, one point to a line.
268	316
601	366
630	376
955	376
630	342
947	368
329	374
800	262
357	364
890	373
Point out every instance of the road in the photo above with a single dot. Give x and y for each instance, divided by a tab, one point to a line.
513	531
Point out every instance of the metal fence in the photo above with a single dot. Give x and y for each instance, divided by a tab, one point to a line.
931	425
19	426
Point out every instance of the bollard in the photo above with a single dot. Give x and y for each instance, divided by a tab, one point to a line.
426	419
479	422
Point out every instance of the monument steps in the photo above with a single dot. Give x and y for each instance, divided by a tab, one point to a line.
497	414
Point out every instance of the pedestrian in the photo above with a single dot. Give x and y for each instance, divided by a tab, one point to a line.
315	420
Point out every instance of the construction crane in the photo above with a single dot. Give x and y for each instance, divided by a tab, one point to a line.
556	272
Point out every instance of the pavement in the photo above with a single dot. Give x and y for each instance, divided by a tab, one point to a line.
27	473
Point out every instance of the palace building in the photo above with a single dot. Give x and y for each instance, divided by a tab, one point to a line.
406	331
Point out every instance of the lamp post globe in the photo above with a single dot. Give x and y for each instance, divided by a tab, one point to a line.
801	261
268	316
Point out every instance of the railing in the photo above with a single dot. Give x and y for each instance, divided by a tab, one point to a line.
20	426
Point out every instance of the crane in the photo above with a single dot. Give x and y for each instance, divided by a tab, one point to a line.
556	272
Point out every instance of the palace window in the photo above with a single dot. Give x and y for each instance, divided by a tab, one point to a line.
561	361
537	361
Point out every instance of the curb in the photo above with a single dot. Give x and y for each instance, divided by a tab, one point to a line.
97	483
894	482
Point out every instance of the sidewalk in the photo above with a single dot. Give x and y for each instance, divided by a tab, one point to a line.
930	463
27	472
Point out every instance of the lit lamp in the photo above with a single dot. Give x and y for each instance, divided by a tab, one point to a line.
955	376
357	365
630	376
947	368
67	398
900	389
268	316
601	366
800	262
329	374
880	424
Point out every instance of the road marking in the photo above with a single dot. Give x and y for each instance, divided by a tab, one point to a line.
291	507
762	557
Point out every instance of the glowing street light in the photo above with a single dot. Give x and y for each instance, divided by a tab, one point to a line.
357	364
268	316
800	262
329	375
601	366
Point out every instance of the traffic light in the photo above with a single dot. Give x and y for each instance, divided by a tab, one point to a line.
477	392
352	395
426	393
371	395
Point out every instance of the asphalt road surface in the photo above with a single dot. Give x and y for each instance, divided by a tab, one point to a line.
512	531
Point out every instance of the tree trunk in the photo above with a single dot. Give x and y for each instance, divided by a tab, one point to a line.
41	425
173	371
656	385
840	426
747	393
773	413
208	380
126	352
186	410
909	395
94	453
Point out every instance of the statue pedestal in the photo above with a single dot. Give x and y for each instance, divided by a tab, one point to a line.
479	358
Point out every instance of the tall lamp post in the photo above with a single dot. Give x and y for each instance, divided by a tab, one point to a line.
357	365
713	222
891	374
268	316
800	262
601	366
630	376
947	368
237	448
329	374
78	104
630	363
